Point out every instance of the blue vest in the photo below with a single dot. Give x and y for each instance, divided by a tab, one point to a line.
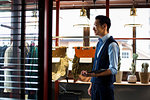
103	63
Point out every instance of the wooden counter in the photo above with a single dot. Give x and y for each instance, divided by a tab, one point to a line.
122	91
137	83
122	83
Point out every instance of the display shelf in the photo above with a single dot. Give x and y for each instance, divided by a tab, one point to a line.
122	83
136	84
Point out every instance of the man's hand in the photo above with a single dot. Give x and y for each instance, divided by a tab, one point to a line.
89	89
91	75
83	73
86	74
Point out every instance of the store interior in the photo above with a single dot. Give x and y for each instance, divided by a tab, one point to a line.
45	44
76	35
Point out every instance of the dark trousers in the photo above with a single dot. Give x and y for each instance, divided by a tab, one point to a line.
101	92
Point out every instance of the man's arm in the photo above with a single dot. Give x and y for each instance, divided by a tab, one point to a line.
113	52
105	73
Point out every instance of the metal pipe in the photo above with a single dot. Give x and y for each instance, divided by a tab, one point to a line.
86	31
57	44
57	20
47	94
134	41
23	14
107	8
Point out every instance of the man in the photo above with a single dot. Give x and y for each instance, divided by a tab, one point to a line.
105	62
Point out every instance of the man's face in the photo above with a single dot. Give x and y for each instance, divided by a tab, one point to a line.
98	29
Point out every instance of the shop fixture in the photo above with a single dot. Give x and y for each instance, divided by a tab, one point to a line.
83	20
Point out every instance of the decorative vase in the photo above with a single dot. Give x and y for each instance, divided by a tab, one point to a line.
119	76
131	79
144	77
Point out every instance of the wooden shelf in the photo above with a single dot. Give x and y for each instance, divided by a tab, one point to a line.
122	83
136	84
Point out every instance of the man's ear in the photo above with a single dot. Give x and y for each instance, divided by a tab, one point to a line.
104	25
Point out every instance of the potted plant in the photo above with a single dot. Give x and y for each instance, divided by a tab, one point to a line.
119	73
144	74
132	78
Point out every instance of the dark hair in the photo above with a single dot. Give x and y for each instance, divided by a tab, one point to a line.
104	20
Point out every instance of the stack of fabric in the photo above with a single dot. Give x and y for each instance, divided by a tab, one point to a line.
59	69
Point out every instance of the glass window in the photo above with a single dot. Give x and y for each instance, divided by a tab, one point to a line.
18	63
67	19
125	55
122	32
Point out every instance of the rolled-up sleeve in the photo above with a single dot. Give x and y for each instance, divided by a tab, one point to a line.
113	52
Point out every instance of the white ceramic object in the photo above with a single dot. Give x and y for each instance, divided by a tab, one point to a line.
132	78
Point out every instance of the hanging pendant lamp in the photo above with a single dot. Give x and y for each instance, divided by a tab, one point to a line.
133	14
133	11
83	20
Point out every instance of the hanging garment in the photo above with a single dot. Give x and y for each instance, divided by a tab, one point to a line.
59	70
77	67
33	54
7	61
2	51
10	61
27	50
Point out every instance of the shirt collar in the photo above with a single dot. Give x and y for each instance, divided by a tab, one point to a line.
104	38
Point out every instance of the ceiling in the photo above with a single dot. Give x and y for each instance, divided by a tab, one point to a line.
78	4
6	4
75	4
